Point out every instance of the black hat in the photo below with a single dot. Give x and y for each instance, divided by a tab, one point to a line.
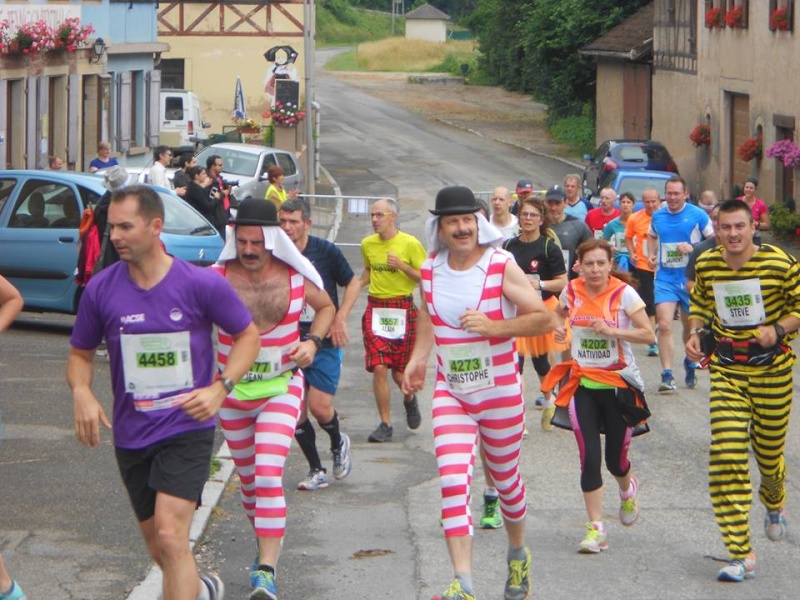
455	200
556	192
254	211
524	185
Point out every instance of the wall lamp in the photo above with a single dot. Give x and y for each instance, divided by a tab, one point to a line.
98	49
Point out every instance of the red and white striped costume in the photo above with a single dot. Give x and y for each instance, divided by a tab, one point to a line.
260	432
497	411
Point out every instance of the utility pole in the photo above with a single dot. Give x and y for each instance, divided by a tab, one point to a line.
308	60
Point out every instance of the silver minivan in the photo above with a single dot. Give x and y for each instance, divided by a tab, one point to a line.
247	164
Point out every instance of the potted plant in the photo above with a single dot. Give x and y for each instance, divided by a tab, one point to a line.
714	18
33	38
786	151
285	115
701	135
735	17
5	36
246	125
750	149
71	35
779	19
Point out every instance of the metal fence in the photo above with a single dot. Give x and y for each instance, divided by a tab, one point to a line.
341	219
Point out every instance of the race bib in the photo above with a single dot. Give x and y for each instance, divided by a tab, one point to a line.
598	234
671	257
266	366
307	314
389	323
618	240
467	367
590	349
739	303
155	365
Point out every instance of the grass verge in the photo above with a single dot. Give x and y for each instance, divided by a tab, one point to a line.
396	54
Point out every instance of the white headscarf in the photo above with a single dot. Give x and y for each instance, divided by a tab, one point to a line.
282	248
488	234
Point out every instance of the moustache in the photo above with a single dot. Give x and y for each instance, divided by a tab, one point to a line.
250	256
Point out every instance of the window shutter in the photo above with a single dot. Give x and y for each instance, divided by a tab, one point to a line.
31	122
74	88
153	117
124	110
3	125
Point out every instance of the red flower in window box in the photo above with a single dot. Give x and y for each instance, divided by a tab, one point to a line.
751	149
713	18
701	135
735	17
779	19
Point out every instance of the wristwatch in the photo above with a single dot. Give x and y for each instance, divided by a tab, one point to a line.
228	384
698	331
779	331
541	285
316	339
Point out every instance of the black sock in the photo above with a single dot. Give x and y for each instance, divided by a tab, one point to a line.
267	569
332	428
307	440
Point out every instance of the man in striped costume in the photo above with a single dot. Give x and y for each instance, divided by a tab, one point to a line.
748	297
260	414
473	293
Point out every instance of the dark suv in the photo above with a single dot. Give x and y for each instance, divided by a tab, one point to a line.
613	155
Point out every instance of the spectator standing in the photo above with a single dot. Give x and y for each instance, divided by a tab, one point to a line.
55	163
162	157
205	199
757	206
275	192
185	162
103	160
392	259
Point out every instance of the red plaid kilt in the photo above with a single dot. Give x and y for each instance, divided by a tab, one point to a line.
391	353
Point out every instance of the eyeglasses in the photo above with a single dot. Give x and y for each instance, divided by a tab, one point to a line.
378	215
527	215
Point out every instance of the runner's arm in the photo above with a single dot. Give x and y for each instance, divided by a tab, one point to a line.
11	303
338	330
414	373
303	353
87	410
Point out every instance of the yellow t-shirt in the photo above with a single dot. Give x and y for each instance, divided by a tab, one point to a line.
385	281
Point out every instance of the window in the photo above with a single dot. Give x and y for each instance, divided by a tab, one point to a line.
287	164
172	73
173	108
42	204
781	15
6	188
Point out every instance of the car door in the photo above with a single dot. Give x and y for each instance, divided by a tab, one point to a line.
592	172
39	240
292	178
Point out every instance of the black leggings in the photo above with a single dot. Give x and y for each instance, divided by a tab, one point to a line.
540	363
591	408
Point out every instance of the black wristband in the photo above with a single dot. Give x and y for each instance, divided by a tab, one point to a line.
779	331
316	339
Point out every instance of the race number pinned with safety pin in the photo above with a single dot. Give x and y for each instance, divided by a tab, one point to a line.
591	349
739	303
156	364
467	367
266	366
389	323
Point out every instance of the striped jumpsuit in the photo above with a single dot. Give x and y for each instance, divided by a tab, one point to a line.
259	432
750	405
496	410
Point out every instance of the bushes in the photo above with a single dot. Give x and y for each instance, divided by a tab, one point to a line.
575	131
784	222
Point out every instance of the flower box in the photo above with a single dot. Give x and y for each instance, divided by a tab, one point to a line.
750	149
714	18
734	18
285	115
779	19
701	135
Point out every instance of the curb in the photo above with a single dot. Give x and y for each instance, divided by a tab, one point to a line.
514	145
150	587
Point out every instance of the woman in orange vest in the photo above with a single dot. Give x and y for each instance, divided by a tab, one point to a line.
603	392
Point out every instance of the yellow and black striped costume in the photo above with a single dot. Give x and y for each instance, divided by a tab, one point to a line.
743	394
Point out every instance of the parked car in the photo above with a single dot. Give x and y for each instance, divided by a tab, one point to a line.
247	164
182	125
613	155
40	212
636	181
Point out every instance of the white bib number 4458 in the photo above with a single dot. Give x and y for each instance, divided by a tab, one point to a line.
156	364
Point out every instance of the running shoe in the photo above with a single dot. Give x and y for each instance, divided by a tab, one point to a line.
341	458
775	524
652	349
691	378
216	589
15	593
492	517
315	480
595	540
667	382
739	570
547	416
518	584
629	507
383	433
539	402
413	416
454	592
263	584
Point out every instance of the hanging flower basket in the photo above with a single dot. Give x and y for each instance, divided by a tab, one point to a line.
701	136
71	35
786	151
779	19
750	149
734	18
246	125
285	115
33	38
714	18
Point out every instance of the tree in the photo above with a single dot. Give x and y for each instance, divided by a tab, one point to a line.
532	46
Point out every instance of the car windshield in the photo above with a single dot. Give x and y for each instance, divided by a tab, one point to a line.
181	219
636	185
635	153
234	162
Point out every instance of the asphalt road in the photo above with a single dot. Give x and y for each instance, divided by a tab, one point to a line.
66	529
